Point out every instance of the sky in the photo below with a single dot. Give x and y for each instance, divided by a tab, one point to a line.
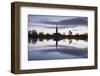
47	24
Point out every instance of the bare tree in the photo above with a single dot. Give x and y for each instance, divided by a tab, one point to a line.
70	32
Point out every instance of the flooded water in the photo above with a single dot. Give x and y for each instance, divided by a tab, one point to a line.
51	50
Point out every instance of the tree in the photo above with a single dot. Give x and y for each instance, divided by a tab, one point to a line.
70	32
34	32
41	34
30	32
77	34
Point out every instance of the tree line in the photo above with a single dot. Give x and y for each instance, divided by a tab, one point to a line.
56	36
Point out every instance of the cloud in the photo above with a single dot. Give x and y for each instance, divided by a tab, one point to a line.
77	21
60	21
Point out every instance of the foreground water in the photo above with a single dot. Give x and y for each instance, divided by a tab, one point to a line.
51	50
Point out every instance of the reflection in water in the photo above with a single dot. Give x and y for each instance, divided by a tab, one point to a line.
48	49
57	37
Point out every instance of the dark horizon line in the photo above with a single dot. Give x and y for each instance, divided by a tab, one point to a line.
57	36
64	33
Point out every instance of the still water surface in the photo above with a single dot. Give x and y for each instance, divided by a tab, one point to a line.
65	49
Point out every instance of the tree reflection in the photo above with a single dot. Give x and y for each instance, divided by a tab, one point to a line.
70	41
33	37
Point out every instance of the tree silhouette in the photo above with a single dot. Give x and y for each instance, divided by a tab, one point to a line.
56	36
41	34
70	32
34	32
77	34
